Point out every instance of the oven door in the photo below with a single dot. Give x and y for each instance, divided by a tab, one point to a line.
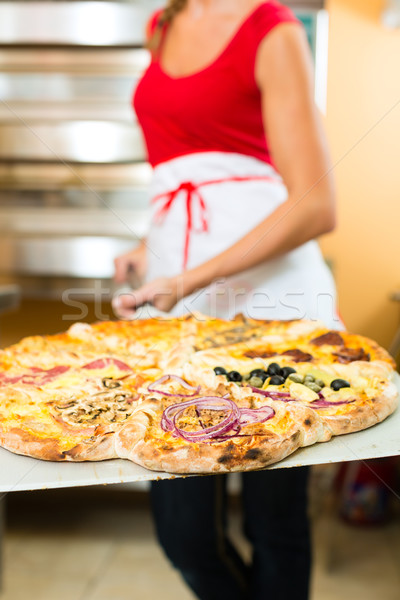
73	175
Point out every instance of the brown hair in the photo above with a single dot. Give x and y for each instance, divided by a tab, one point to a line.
172	8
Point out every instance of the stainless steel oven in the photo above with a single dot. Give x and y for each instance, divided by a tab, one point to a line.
73	175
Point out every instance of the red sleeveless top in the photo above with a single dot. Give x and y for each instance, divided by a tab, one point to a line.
215	109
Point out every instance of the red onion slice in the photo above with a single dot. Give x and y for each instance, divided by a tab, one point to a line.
172	413
256	415
326	404
181	381
230	421
286	397
235	418
223	438
204	435
272	395
203	402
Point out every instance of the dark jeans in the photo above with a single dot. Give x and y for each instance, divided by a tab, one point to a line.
190	516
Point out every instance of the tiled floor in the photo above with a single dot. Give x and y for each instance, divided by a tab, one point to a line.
101	547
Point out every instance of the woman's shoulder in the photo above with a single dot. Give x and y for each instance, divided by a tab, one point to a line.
268	15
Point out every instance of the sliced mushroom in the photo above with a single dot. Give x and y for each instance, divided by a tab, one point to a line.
110	383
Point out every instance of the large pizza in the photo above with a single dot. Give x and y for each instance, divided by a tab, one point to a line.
192	394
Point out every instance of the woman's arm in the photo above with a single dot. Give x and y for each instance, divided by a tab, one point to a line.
297	144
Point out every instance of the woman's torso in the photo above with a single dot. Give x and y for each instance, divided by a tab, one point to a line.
217	108
208	126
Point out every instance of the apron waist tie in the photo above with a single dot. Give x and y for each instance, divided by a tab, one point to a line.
192	191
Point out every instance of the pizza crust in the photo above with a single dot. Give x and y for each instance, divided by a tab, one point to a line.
183	457
144	442
101	448
57	447
361	414
27	444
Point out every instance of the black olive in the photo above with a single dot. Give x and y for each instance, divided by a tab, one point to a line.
234	376
276	380
286	371
220	371
274	369
338	384
259	373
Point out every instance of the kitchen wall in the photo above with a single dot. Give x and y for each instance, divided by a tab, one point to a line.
363	124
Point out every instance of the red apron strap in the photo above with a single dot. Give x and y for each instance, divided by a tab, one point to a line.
192	193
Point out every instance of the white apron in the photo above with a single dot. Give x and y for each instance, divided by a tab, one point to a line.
198	212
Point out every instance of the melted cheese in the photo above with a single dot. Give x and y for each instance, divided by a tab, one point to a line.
301	392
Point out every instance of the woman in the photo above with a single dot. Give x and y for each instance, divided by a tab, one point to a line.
241	188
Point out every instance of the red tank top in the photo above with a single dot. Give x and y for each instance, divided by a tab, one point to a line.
215	109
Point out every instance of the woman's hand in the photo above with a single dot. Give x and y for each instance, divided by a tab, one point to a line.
162	293
134	261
